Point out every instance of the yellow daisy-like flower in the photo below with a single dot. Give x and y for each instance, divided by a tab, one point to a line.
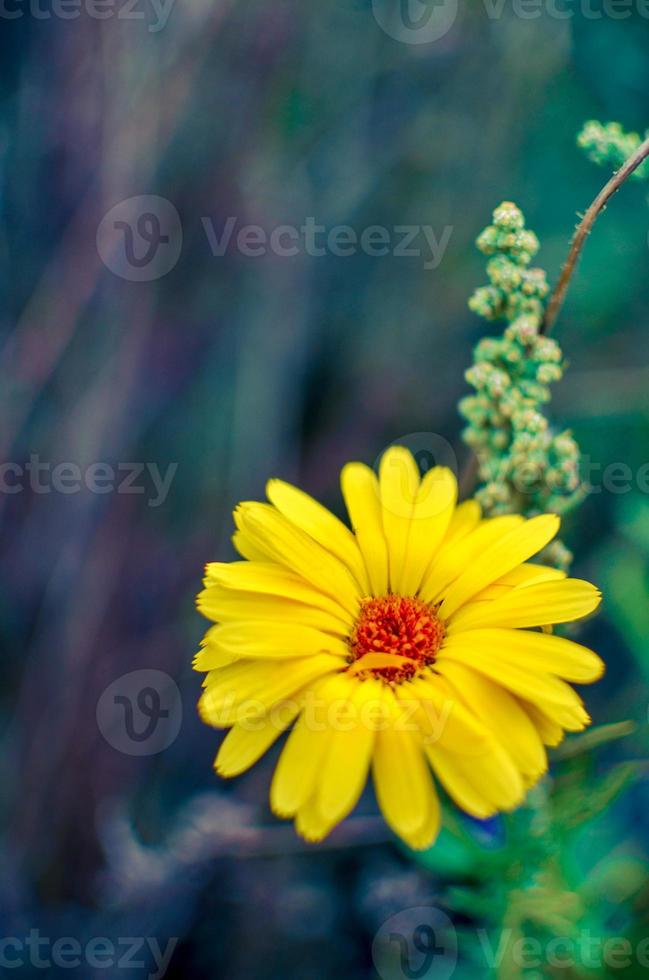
409	646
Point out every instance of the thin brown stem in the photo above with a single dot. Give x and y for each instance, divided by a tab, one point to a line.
468	475
583	230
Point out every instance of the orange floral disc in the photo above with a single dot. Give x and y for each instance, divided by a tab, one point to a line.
391	629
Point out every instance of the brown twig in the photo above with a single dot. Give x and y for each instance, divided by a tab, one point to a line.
583	230
468	475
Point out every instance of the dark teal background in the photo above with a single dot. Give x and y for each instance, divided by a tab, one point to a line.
238	368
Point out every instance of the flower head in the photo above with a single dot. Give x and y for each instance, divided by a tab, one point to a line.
416	645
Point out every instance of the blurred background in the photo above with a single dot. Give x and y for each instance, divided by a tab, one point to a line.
157	365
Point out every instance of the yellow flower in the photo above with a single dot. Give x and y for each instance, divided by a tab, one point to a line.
408	646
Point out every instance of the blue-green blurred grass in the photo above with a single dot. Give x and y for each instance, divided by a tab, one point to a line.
240	368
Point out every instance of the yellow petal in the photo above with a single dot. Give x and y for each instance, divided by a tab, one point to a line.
249	688
572	718
379	661
457	554
294	549
457	782
550	732
403	782
208	658
500	712
519	678
532	605
347	760
273	580
271	640
442	715
300	763
249	549
245	743
297	769
480	788
226	605
466	518
399	484
426	834
535	652
512	549
310	822
526	574
320	524
360	489
431	517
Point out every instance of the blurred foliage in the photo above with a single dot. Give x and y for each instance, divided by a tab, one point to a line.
237	368
608	145
522	878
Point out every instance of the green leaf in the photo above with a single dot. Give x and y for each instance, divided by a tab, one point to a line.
577	808
594	738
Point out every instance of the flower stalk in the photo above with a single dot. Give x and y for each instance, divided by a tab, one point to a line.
631	166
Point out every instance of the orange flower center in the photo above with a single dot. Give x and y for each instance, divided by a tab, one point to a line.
395	637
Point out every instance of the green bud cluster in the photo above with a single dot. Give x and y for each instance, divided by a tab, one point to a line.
608	145
525	466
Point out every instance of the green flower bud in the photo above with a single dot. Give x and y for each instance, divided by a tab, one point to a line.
522	464
508	217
